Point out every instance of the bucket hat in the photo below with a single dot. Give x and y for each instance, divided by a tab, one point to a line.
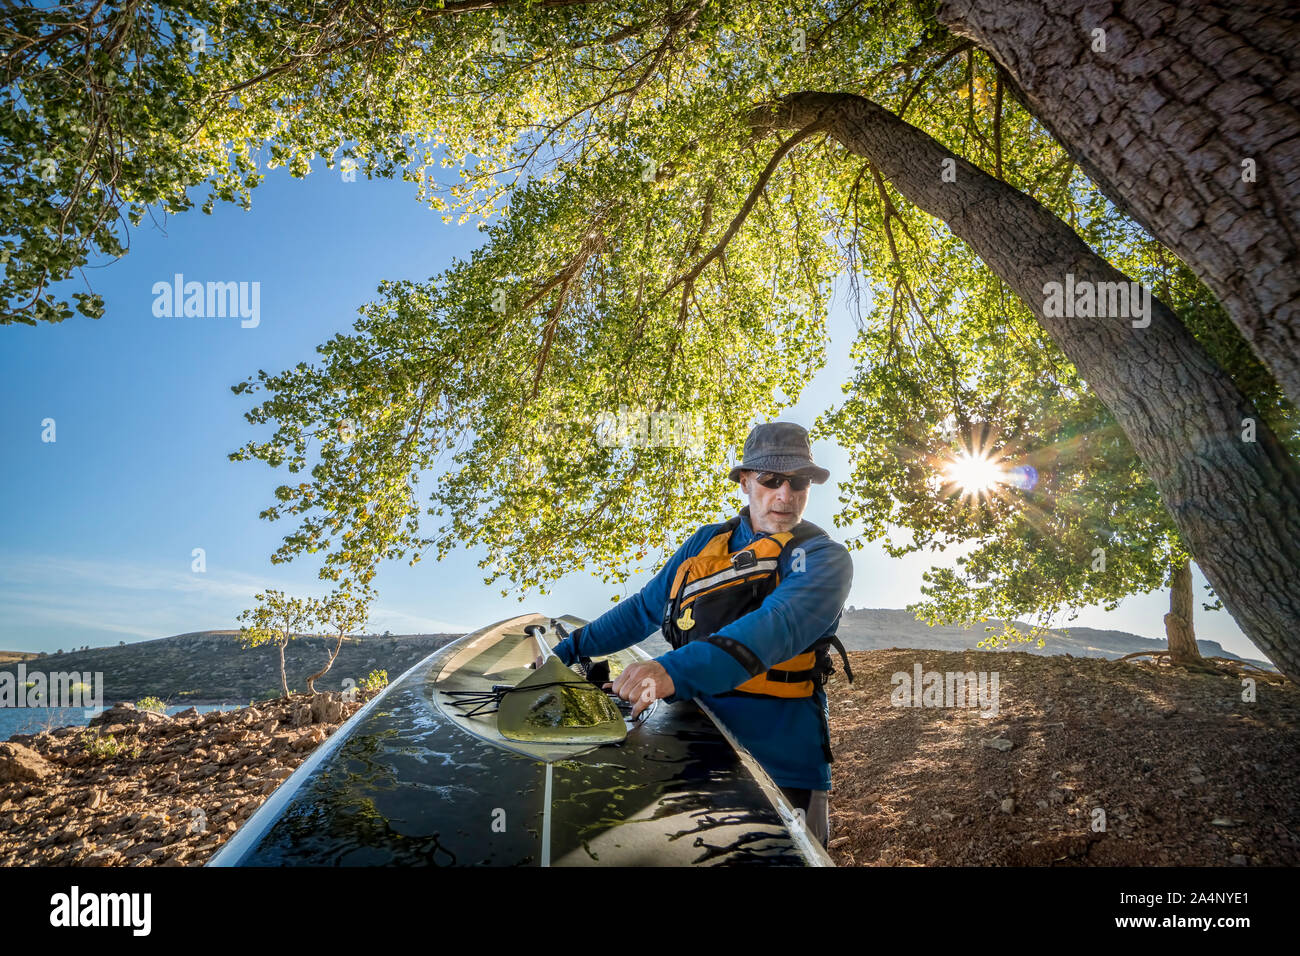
781	447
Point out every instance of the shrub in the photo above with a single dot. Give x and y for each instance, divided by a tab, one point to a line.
374	682
151	703
98	745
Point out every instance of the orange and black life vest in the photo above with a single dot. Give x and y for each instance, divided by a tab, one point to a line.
717	586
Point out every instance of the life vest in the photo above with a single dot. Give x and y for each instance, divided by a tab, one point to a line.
717	586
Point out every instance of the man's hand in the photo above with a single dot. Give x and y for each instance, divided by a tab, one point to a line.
643	683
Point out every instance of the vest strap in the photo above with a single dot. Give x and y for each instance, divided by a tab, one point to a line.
747	658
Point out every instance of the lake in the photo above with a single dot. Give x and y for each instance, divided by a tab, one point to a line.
30	720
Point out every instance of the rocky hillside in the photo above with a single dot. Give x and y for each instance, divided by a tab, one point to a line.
211	667
142	789
870	629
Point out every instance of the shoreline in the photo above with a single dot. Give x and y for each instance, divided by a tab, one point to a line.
155	789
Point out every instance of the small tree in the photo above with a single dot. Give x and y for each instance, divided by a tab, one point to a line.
343	611
274	621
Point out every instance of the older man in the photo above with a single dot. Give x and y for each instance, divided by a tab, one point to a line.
750	607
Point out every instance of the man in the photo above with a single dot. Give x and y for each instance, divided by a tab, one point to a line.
742	624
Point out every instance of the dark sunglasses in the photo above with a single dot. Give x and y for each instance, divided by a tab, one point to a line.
770	479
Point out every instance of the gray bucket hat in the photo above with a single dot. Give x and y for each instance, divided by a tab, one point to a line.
782	447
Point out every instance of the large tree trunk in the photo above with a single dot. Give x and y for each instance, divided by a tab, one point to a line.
1164	120
1236	503
1178	622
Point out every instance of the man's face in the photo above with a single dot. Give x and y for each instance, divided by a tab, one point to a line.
772	509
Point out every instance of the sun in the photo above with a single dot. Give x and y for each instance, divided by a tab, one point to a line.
975	474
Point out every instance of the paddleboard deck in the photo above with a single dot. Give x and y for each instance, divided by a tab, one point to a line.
412	780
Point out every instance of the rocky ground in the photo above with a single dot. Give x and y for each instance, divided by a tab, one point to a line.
171	794
1183	770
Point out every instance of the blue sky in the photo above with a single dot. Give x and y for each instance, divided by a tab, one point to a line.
99	526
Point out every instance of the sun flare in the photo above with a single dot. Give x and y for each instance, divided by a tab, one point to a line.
975	475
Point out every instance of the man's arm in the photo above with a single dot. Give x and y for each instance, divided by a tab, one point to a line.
636	617
800	610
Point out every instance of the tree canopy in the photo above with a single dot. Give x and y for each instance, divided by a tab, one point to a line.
648	246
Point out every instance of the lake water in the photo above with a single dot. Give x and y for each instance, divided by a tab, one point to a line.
30	720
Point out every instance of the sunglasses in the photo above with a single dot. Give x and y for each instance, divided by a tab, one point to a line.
771	479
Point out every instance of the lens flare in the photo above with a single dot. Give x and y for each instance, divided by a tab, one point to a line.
975	475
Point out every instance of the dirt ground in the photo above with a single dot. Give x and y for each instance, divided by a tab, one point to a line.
171	793
1183	771
1110	763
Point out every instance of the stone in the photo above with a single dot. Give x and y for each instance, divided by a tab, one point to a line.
300	716
997	743
105	857
126	715
19	764
326	708
309	739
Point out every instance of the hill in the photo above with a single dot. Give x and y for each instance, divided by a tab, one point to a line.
211	667
872	629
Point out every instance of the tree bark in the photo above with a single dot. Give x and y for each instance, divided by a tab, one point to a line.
311	681
1163	120
284	679
1236	503
1178	622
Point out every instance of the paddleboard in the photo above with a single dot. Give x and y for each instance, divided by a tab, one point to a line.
422	775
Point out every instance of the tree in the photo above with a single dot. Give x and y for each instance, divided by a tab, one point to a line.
341	612
1186	419
1186	116
1056	503
277	619
649	248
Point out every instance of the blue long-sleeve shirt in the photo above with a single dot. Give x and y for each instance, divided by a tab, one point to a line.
784	735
